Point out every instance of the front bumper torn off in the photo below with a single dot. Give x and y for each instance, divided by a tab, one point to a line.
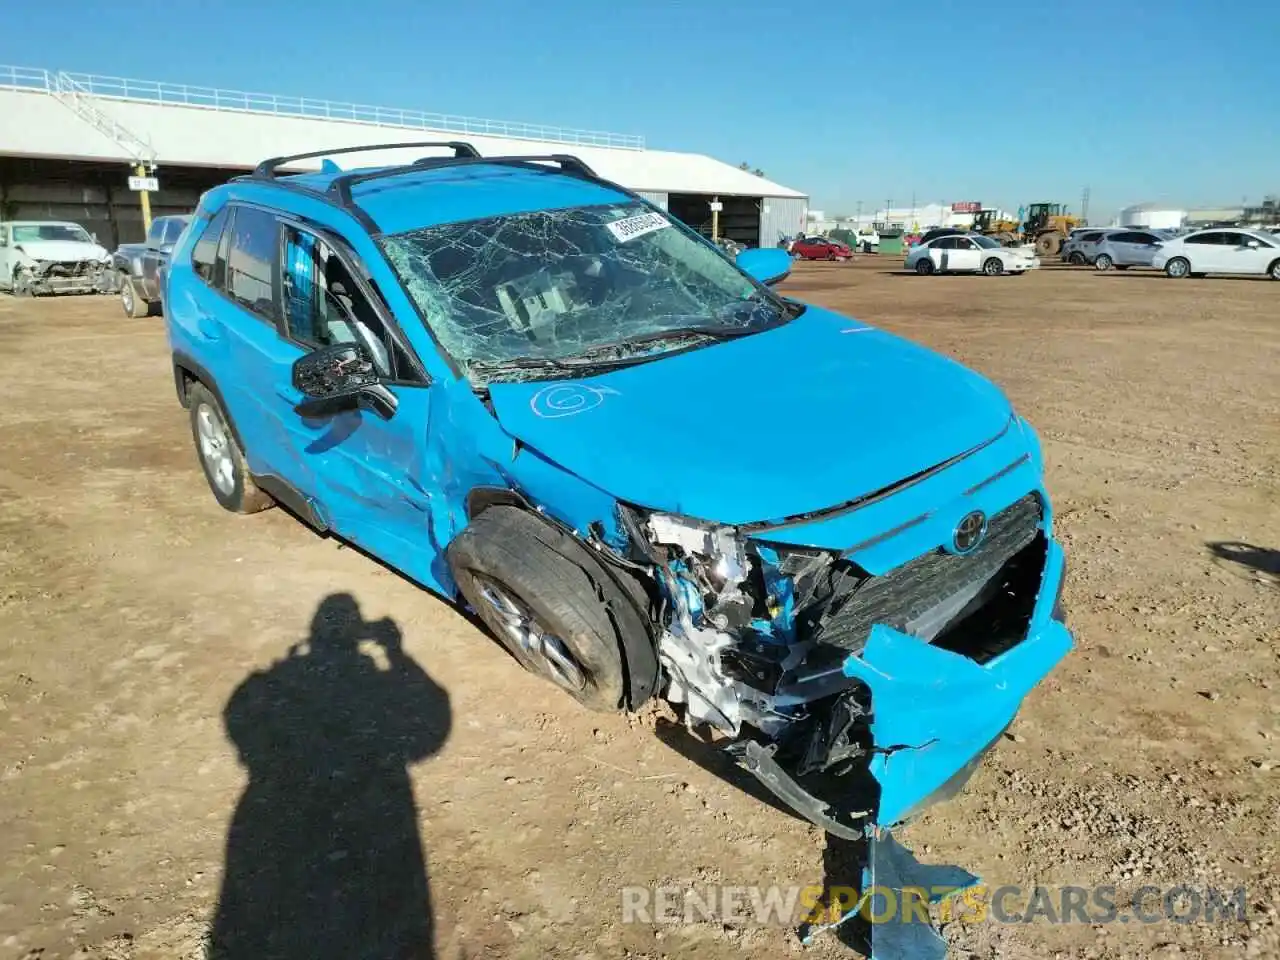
934	715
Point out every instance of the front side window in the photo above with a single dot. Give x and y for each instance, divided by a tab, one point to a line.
173	229
252	260
205	252
33	232
323	305
610	283
986	243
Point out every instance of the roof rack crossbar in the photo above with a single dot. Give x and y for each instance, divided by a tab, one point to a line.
340	187
266	170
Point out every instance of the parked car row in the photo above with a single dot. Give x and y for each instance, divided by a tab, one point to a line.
52	256
1241	252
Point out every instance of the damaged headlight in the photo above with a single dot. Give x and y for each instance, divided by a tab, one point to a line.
705	565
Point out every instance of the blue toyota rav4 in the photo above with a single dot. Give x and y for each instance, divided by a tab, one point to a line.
650	473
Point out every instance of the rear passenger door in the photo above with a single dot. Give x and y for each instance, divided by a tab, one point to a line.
261	389
1241	258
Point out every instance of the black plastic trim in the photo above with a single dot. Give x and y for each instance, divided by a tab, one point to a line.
800	519
292	499
184	364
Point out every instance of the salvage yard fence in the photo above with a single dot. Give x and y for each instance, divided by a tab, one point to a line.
215	98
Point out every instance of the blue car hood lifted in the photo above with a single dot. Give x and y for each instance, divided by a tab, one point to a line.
799	418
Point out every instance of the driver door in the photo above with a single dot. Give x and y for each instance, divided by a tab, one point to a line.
966	257
370	471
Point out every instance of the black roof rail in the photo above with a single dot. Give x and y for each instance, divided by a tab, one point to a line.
338	191
340	186
266	170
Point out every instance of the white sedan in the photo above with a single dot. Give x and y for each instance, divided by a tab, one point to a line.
969	253
1234	251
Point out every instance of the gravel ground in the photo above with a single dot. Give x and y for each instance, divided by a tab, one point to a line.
148	665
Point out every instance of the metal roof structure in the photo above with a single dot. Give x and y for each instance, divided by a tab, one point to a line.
80	116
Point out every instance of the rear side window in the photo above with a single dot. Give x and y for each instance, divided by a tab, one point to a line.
1126	238
252	261
205	252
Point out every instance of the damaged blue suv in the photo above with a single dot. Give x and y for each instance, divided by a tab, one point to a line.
533	392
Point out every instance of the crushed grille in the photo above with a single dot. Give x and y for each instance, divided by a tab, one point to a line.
915	590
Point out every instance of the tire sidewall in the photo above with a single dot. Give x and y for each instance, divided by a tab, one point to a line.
127	300
924	266
991	271
1103	263
517	562
1169	271
200	398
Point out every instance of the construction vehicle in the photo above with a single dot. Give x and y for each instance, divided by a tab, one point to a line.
1047	226
1001	230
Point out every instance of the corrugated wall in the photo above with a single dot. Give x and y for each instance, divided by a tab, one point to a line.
781	217
659	198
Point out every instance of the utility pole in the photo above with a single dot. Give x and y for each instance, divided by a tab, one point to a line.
1084	205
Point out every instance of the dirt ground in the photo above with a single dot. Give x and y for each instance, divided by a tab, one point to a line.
141	628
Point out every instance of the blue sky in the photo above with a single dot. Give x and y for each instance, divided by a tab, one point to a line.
1177	100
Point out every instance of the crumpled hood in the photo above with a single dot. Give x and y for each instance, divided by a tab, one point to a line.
62	250
802	417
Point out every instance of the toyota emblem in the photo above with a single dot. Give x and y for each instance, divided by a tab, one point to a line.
969	531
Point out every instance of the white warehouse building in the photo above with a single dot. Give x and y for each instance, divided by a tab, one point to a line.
68	143
1153	216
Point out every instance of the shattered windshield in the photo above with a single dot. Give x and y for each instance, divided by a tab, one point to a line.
551	293
30	232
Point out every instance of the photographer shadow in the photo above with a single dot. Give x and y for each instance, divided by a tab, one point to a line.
324	859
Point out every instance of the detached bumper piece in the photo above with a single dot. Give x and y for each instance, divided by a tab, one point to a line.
917	724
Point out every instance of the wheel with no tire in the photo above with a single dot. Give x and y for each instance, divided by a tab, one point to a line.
1178	268
552	606
220	455
993	267
924	266
1103	263
134	306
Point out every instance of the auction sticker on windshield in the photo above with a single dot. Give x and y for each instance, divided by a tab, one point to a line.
628	228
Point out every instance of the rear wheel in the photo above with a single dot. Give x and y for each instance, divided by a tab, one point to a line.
1178	268
220	455
134	306
1104	262
551	605
924	266
1274	270
993	267
1077	259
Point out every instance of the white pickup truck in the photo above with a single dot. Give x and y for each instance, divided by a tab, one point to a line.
50	257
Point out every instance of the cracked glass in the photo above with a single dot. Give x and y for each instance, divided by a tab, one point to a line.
541	294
